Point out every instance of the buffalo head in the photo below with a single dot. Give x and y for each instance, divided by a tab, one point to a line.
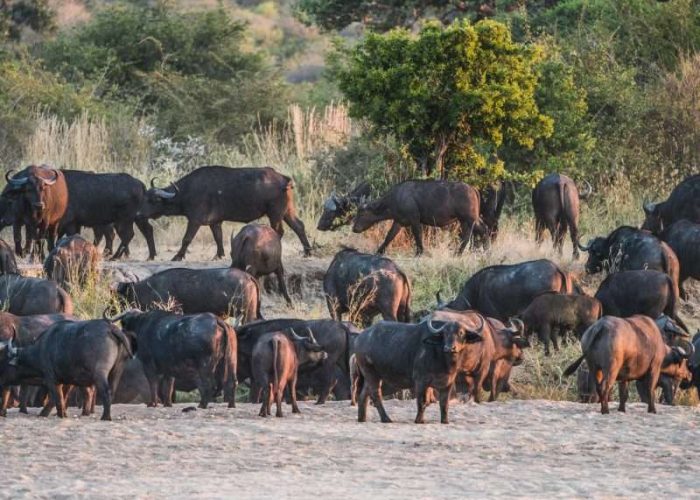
309	352
159	202
452	335
598	250
34	183
515	341
652	218
337	210
8	358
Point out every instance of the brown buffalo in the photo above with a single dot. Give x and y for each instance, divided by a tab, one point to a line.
73	261
621	350
257	250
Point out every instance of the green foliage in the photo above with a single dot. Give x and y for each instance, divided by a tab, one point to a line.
189	69
16	16
449	95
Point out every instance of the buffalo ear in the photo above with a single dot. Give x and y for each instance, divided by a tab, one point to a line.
521	342
473	338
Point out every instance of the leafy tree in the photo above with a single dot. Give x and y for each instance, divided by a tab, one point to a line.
15	15
450	95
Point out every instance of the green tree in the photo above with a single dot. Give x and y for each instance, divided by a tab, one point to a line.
450	96
16	15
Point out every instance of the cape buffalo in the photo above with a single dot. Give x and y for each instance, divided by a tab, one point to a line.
41	198
276	360
628	249
172	345
338	210
419	357
365	285
334	337
429	202
257	249
617	349
628	293
24	296
73	260
8	263
211	195
503	291
224	292
694	366
683	203
550	313
684	238
105	202
79	353
555	201
493	199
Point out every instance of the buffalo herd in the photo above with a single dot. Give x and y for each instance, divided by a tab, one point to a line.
182	329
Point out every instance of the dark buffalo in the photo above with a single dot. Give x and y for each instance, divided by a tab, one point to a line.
694	366
171	346
629	249
555	201
419	357
8	263
651	293
550	314
78	353
24	296
433	203
224	292
493	199
338	210
24	330
105	202
503	291
684	239
276	360
211	195
257	250
683	203
617	349
334	337
41	200
366	285
73	260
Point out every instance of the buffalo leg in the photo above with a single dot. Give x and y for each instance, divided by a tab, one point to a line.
558	236
125	230
327	377
624	394
298	227
445	404
88	398
334	308
421	402
376	395
573	232
417	231
105	394
393	232
190	233
539	231
56	393
218	233
652	380
293	393
278	389
17	236
169	389
282	286
147	232
5	400
153	383
545	334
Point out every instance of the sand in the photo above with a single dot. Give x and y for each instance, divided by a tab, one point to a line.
515	448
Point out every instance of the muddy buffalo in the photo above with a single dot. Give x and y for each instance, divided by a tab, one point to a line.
503	291
24	296
555	201
621	350
683	203
425	202
365	285
224	292
276	360
257	250
212	195
73	261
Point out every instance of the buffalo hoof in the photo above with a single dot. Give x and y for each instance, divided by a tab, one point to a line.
307	252
387	421
151	405
621	409
3	413
278	414
178	258
444	421
106	418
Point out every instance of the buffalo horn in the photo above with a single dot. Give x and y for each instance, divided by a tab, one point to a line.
481	325
516	326
311	335
119	316
15	182
164	194
295	336
153	182
429	322
588	191
584	248
51	182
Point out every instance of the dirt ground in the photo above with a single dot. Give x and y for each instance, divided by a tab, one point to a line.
515	448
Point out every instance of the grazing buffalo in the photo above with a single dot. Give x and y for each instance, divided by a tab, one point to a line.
211	195
684	239
8	263
106	202
40	195
617	349
339	210
651	293
629	249
555	201
224	292
79	353
433	203
334	337
550	313
257	250
73	260
503	291
171	346
276	360
493	199
24	296
683	203
366	285
24	330
419	357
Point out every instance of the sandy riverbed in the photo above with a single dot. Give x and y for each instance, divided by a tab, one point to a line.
516	448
